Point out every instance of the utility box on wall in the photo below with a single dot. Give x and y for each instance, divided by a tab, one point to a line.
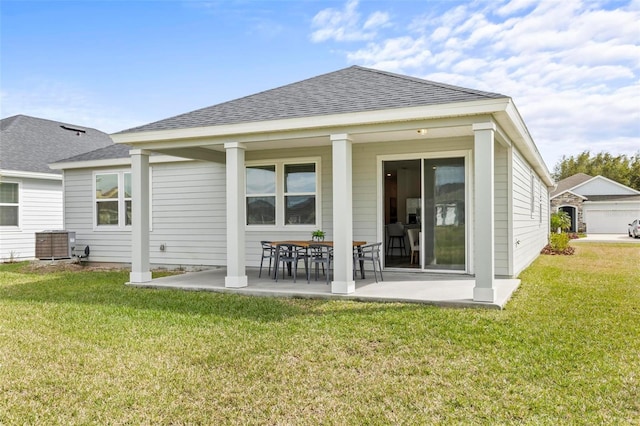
55	244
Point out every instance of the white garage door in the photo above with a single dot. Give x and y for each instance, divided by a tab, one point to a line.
603	219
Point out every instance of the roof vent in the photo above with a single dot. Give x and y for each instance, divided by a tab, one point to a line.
78	130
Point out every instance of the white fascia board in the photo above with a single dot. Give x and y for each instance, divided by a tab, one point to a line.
30	175
124	161
600	177
570	192
525	143
230	131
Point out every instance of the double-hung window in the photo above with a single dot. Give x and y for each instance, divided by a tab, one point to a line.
9	204
113	199
283	193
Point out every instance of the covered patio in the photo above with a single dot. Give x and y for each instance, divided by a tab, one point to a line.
406	287
310	144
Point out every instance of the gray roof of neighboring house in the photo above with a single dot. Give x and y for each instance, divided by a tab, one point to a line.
353	89
570	182
29	144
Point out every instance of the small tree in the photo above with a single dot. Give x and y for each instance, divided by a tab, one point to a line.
560	221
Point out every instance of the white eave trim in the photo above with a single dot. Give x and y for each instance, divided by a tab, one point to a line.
505	112
30	175
318	122
111	162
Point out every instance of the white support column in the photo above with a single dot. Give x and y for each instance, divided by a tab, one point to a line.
343	282
140	272
484	253
236	272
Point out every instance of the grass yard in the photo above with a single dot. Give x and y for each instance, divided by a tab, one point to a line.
81	348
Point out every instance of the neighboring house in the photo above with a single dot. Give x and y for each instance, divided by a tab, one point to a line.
347	152
596	205
31	192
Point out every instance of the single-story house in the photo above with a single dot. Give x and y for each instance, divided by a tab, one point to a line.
348	152
30	191
596	204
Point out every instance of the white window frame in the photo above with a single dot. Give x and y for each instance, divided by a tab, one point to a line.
18	205
122	210
120	200
281	195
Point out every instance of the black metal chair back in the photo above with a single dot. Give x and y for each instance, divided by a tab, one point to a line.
368	252
320	254
289	255
268	252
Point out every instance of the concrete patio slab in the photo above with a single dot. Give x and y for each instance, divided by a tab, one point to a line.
408	287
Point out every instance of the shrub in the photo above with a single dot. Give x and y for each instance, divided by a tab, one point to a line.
560	220
558	244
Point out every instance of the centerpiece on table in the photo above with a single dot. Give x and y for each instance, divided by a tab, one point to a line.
318	235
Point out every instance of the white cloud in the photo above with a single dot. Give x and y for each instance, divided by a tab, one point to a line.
394	54
514	7
572	67
377	19
346	24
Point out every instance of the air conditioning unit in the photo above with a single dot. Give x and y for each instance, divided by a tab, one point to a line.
55	244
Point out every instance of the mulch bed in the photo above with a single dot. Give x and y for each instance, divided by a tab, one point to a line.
549	250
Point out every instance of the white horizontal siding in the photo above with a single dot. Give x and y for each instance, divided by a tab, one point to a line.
530	232
188	216
40	209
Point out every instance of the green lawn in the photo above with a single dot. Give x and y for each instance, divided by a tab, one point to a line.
81	348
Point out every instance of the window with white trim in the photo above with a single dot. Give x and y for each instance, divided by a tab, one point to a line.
9	204
112	199
283	193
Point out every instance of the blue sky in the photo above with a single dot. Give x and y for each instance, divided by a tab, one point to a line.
572	67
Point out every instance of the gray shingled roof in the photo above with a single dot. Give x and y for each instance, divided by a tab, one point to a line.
107	153
353	89
29	144
570	182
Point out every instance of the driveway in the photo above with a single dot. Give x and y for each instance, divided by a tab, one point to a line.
607	238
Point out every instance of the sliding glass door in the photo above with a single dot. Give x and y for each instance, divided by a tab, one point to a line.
425	197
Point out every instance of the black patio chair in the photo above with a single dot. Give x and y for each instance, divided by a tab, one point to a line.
320	254
289	255
268	252
368	252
